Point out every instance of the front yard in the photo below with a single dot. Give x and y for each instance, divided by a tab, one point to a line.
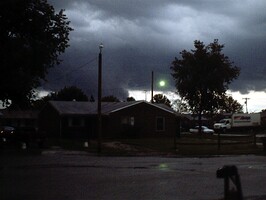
186	145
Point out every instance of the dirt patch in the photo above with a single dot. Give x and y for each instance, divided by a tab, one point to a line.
120	146
129	149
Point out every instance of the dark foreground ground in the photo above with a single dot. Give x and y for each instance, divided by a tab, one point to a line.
75	175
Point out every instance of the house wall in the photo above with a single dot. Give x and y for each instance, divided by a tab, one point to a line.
49	121
79	126
142	122
67	126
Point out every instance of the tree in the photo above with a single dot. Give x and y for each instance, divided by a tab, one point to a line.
180	106
160	98
229	105
110	98
69	94
92	99
131	99
32	36
202	76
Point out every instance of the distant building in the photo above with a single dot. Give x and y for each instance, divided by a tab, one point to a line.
191	120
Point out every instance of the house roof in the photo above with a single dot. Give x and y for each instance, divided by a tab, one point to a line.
19	114
90	108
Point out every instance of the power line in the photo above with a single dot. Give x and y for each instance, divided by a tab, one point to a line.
68	72
76	69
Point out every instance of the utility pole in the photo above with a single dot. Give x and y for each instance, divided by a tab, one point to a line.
152	86
145	91
100	100
246	102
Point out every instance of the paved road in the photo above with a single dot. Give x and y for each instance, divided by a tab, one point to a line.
76	176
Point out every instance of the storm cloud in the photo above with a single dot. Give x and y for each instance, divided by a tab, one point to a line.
141	36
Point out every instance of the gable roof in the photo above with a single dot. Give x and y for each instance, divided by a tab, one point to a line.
90	108
19	114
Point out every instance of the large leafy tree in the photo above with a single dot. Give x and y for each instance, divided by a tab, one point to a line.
203	75
32	36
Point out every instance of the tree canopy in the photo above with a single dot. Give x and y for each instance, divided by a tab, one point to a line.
229	105
110	98
32	36
202	76
71	93
130	99
180	106
160	98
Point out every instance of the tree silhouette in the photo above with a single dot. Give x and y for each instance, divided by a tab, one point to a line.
69	94
202	76
180	106
110	98
229	105
32	36
131	99
160	98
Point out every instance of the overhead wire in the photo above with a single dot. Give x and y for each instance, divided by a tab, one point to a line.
75	69
45	84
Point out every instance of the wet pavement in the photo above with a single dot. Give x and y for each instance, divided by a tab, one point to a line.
58	174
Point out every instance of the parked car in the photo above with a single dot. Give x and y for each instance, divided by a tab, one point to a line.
7	133
204	129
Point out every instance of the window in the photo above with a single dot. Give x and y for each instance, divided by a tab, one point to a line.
132	121
160	124
128	121
76	122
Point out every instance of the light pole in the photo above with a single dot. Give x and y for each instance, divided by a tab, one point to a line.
100	100
152	77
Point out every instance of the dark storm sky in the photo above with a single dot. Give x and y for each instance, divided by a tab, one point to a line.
144	35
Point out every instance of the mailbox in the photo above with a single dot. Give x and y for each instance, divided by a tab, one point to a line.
226	171
230	172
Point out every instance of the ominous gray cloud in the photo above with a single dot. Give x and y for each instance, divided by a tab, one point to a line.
144	35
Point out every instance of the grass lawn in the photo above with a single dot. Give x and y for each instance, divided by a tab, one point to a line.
187	145
200	145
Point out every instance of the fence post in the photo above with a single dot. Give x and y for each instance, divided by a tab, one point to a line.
254	138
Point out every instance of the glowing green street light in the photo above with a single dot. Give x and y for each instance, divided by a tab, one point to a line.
162	83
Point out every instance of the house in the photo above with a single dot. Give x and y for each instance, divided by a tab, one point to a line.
263	119
19	118
119	119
